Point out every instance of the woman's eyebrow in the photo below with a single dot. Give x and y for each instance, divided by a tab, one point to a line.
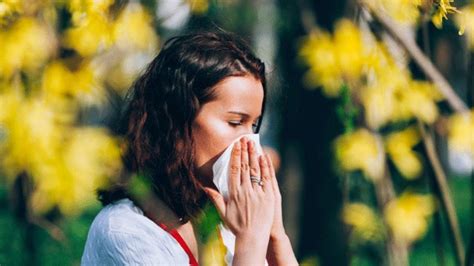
245	115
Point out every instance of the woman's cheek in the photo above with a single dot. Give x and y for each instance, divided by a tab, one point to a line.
224	135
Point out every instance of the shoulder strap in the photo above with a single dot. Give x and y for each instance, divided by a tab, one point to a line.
175	234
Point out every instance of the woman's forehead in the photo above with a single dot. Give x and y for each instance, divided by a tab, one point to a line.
240	94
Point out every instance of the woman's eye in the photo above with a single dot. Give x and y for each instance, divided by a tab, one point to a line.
235	123
239	123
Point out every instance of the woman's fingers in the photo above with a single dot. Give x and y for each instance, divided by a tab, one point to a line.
270	163
245	163
254	164
217	199
274	181
265	173
234	179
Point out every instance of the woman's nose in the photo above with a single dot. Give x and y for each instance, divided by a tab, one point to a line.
248	130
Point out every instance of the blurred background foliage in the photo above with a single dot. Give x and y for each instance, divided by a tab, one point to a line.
370	111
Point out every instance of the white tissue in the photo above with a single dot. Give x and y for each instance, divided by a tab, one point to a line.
220	170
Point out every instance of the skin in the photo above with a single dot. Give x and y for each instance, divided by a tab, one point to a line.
252	212
231	114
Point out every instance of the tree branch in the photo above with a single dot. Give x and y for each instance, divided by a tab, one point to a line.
445	193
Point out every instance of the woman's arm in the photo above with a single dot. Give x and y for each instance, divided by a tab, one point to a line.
280	251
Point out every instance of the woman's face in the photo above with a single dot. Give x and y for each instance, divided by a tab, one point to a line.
234	112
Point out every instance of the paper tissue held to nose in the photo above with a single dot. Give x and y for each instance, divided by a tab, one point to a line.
221	173
220	169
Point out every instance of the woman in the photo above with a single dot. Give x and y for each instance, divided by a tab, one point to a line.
202	92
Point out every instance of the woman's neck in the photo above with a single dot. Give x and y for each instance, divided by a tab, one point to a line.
156	210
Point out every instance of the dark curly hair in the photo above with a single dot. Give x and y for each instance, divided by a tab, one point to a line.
162	105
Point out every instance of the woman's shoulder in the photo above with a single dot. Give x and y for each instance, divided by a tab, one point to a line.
122	216
121	234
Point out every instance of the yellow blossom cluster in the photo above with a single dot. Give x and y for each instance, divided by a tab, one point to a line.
8	8
409	11
365	151
361	150
407	216
465	22
385	88
333	60
95	31
443	8
27	45
42	88
461	133
29	42
399	148
366	225
391	95
66	163
59	82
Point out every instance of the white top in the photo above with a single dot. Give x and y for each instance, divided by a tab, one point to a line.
121	235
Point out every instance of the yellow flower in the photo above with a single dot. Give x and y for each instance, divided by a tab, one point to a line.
333	60
90	157
133	29
465	22
349	49
33	135
418	99
361	150
407	216
399	147
80	9
378	104
8	8
461	132
318	52
385	78
91	34
10	101
65	163
27	45
364	222
60	83
443	7
214	251
391	94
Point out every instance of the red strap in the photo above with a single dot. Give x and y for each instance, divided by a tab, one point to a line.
182	243
175	234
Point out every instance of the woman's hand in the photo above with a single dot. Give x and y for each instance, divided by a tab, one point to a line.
278	229
280	251
249	210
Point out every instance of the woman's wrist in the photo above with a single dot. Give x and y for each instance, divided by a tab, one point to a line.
252	240
250	249
278	235
280	251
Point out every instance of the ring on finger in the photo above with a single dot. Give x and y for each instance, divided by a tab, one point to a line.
258	180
